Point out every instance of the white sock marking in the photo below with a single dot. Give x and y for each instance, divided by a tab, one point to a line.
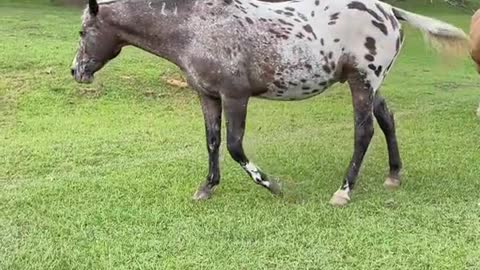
255	174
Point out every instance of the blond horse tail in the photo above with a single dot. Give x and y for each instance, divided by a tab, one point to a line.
442	36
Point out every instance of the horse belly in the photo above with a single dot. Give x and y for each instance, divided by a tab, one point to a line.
297	87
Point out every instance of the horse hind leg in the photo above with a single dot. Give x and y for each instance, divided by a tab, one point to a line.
386	122
235	112
476	61
362	97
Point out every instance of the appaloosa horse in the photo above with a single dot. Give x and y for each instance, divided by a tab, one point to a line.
231	50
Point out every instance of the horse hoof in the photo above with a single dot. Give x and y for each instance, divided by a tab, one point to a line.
340	198
391	183
203	193
275	188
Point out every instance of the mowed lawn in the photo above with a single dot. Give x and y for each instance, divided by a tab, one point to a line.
101	176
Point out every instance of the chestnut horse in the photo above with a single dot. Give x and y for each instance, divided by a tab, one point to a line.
475	43
475	39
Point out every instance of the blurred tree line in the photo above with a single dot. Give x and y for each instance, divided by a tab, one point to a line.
463	4
79	3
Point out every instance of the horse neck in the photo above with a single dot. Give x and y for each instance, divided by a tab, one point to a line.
154	26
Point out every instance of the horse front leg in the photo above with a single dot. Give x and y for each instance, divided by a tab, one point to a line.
236	112
362	95
212	113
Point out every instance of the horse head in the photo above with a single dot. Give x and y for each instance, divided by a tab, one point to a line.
98	44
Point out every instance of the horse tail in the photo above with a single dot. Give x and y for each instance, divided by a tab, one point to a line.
440	35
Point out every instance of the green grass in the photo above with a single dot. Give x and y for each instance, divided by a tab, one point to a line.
101	176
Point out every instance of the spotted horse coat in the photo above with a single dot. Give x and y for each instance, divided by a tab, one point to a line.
232	50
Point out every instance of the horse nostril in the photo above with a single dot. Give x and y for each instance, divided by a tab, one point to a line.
72	71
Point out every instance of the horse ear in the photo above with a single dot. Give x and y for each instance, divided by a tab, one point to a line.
93	7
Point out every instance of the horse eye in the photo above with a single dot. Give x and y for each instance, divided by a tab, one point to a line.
81	33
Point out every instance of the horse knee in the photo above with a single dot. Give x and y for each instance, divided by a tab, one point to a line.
213	141
235	149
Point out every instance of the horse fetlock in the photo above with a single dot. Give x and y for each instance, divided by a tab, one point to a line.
262	179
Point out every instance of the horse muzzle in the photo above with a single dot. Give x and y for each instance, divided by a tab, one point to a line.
81	76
